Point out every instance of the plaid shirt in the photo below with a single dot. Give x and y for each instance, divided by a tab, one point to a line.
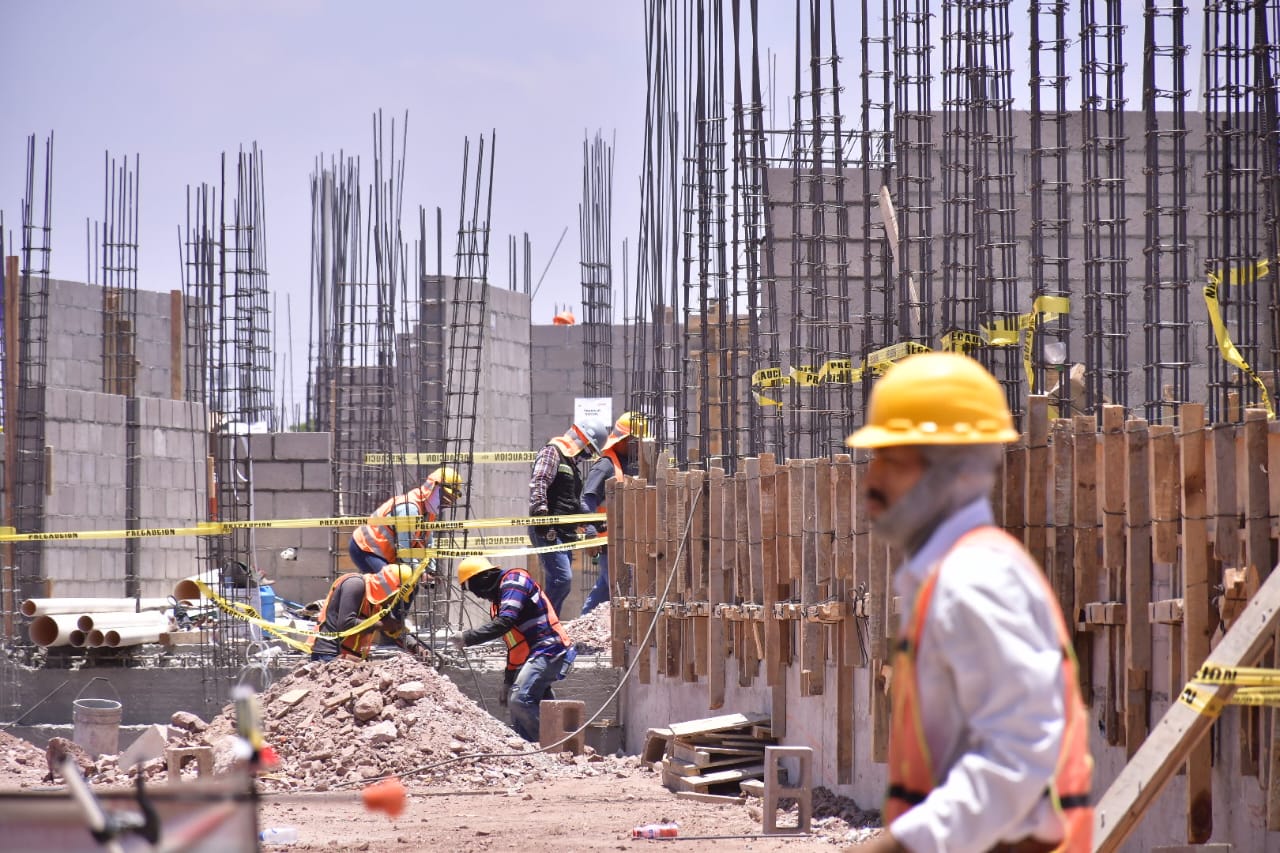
545	466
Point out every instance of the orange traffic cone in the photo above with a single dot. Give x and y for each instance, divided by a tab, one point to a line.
385	796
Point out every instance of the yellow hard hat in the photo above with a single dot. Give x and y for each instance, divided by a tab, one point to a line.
472	566
448	479
936	398
384	584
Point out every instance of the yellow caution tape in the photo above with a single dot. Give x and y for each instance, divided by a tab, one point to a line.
1202	703
1236	276
217	528
437	458
1005	333
1239	676
428	553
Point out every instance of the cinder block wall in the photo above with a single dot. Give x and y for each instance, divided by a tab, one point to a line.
86	434
75	339
293	478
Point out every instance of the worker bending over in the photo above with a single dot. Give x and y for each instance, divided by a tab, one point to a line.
353	599
988	745
539	652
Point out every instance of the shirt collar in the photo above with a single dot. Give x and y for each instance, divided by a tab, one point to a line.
972	515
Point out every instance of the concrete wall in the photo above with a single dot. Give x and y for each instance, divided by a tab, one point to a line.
75	346
86	432
1239	801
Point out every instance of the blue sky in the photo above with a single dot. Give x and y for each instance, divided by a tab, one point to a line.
180	81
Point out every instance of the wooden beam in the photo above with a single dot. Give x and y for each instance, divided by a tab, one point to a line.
1185	723
1113	487
1062	565
717	593
812	662
1038	479
1085	524
1166	612
1196	629
847	633
1137	632
1167	493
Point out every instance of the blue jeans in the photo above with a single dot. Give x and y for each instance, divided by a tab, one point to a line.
600	592
366	563
557	572
533	684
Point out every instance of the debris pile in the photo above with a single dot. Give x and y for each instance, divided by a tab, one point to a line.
592	634
344	721
22	765
711	756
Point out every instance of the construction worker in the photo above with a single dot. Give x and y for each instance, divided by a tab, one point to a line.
352	600
988	745
373	546
617	459
556	489
539	653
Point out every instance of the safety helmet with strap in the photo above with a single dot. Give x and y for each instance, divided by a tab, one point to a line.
472	566
448	480
394	578
936	398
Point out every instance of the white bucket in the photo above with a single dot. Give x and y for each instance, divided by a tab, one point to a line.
96	725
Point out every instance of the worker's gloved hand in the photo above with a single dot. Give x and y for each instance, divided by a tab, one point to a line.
392	627
411	644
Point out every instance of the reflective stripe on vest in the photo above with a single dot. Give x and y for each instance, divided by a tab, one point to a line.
355	644
517	645
911	774
381	539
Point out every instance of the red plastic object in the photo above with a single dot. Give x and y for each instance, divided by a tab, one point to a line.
656	830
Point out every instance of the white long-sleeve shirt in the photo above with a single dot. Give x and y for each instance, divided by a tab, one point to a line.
989	669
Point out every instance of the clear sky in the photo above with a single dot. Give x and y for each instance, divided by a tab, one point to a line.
181	81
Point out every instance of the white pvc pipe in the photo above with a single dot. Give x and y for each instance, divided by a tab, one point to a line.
186	588
53	606
95	638
133	635
53	630
78	638
89	621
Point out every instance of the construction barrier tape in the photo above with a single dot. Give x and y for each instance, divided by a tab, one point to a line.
1015	331
1201	703
1237	277
1255	698
217	528
1239	676
437	458
428	553
247	612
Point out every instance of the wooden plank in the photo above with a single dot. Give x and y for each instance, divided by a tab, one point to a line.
878	627
700	797
752	656
1257	556
774	674
1166	612
1015	490
717	592
1062	566
615	497
1196	628
812	660
1273	748
719	777
785	482
656	742
1038	479
1112	477
648	558
1167	493
1085	527
291	698
1226	537
722	723
847	632
1185	723
1137	631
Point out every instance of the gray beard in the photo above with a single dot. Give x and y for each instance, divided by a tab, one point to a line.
955	477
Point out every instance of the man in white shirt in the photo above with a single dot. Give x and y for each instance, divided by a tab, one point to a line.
988	745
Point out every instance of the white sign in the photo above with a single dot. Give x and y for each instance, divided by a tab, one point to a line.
593	407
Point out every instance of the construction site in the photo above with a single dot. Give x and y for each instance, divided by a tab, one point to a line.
1108	251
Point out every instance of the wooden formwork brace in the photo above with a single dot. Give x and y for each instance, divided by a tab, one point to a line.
1185	724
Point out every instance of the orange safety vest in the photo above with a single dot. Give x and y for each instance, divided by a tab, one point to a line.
517	645
911	776
355	644
381	539
618	473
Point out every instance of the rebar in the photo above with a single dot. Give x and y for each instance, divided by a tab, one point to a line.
595	237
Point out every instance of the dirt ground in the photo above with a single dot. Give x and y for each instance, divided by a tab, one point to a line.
551	816
473	785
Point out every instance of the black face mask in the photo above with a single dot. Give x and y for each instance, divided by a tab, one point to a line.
486	584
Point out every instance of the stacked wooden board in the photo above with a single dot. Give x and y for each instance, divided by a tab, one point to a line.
710	758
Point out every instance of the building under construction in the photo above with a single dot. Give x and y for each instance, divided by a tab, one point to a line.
1108	250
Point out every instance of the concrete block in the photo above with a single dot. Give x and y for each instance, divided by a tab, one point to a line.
317	476
800	787
559	717
277	476
303	445
175	757
148	745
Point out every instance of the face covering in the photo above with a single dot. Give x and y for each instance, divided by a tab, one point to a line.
954	477
485	585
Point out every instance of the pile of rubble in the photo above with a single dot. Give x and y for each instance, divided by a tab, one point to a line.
591	634
22	765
